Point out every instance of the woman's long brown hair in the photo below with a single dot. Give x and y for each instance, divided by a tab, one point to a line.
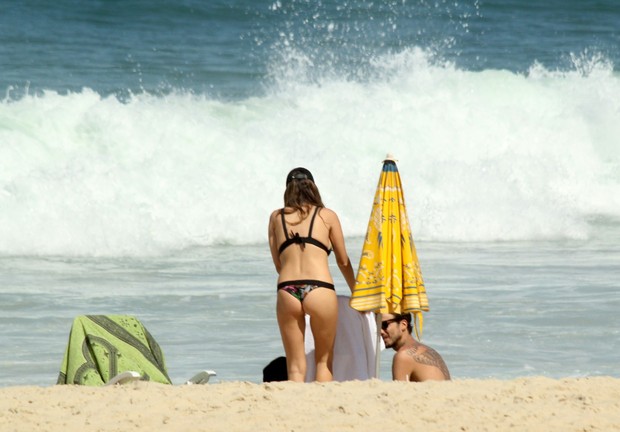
300	195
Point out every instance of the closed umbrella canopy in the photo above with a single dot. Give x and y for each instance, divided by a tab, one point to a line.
389	279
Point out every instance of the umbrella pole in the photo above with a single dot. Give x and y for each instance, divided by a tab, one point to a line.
378	345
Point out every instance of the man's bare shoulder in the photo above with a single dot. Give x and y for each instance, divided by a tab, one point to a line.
424	355
404	357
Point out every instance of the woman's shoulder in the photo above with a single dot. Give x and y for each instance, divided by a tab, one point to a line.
275	213
325	210
327	214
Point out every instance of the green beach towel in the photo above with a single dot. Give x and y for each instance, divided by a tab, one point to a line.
102	346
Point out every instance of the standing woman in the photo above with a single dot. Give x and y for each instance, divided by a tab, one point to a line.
301	236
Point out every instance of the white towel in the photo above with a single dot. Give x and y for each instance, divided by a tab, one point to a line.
354	350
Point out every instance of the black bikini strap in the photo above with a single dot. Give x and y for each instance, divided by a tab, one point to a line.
316	210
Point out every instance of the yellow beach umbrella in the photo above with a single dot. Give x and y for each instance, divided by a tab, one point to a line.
389	279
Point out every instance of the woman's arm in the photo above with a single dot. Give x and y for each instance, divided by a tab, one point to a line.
337	239
275	255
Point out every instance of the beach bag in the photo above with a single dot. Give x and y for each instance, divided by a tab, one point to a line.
103	346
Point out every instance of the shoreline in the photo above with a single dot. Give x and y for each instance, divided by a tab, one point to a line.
528	404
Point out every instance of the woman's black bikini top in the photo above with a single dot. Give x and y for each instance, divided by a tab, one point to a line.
297	239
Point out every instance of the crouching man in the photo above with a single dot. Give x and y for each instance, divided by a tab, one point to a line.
413	361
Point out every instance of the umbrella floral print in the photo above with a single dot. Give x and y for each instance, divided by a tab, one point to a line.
389	279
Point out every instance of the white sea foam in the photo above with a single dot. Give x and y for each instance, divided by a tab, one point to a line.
489	155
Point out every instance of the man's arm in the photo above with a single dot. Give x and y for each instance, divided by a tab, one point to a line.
402	365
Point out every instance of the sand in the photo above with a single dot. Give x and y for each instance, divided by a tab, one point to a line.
526	404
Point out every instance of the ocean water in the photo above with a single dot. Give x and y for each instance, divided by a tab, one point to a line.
143	147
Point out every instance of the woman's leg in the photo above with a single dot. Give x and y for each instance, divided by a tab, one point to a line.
291	321
322	306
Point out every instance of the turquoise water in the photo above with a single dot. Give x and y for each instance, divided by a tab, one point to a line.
498	310
233	49
143	148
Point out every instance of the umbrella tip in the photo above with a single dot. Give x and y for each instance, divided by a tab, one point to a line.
389	157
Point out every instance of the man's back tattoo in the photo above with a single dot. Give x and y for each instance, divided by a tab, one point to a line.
429	357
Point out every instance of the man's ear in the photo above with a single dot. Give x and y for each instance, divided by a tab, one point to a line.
403	325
